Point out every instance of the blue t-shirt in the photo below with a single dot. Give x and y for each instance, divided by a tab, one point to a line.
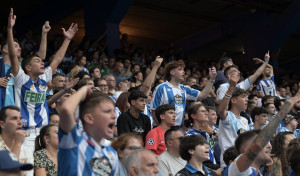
9	95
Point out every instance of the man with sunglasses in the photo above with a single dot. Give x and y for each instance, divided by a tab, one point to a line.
170	162
155	140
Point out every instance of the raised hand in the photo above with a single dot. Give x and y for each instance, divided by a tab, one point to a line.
46	27
158	61
212	73
11	19
69	34
20	136
233	79
71	83
267	56
3	82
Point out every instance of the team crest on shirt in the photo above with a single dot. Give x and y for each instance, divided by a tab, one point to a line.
101	166
241	130
178	99
150	141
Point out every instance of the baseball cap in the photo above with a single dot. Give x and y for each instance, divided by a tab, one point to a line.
287	119
10	161
123	79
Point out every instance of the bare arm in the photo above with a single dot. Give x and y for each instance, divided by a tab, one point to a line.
150	78
62	50
40	172
244	162
67	122
233	80
10	42
260	70
204	93
70	84
43	46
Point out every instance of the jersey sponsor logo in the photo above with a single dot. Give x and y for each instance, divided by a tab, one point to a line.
34	97
150	141
178	99
101	166
24	123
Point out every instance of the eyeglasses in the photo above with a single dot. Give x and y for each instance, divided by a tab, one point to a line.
178	138
134	148
102	85
204	111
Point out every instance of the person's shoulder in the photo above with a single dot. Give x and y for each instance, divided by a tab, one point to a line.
183	172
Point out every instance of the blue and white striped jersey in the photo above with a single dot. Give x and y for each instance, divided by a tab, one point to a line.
79	154
166	93
296	131
148	113
31	98
267	87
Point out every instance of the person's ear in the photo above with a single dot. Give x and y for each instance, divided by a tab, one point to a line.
88	118
1	124
191	151
133	171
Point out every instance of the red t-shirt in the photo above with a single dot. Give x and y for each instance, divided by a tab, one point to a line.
155	140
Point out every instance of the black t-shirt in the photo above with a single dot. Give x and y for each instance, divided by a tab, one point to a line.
128	123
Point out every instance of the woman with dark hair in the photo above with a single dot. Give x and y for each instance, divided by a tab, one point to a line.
122	102
81	62
279	147
136	79
124	145
45	155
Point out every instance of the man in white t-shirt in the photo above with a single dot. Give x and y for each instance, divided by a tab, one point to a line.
231	122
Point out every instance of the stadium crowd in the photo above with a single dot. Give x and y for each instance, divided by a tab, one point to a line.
70	109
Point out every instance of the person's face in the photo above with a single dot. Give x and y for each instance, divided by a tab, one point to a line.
59	81
119	67
139	76
52	138
282	92
102	84
149	165
255	100
54	120
202	115
212	117
97	73
241	102
112	62
136	68
124	85
12	122
270	100
261	119
175	140
227	64
104	119
287	139
36	66
169	117
105	62
267	72
132	145
17	49
264	155
139	104
90	83
234	71
192	82
201	152
111	81
204	81
294	123
82	61
271	109
178	73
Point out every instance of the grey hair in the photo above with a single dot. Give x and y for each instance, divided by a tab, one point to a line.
134	159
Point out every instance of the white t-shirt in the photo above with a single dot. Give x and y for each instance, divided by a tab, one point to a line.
234	171
169	164
224	87
229	130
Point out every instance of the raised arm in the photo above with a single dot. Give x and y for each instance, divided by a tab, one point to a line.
244	162
43	46
212	76
233	80
150	78
69	85
260	70
69	34
10	43
67	121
